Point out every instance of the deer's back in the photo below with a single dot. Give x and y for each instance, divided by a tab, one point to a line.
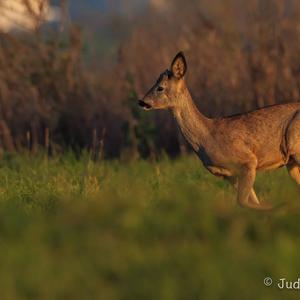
259	122
261	131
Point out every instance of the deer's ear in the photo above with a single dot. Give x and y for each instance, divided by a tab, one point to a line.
179	66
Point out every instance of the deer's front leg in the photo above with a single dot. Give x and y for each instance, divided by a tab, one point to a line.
246	180
234	182
246	195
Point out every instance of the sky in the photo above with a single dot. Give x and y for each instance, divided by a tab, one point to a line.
102	31
79	7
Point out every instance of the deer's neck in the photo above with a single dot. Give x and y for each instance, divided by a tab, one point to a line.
193	124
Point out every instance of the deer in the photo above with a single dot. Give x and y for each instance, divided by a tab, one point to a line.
234	147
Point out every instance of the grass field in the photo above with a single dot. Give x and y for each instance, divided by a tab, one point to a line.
74	229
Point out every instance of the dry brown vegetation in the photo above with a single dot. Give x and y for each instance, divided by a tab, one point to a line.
241	55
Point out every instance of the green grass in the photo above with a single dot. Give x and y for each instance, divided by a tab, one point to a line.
74	229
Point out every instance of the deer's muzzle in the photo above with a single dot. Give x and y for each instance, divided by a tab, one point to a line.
144	105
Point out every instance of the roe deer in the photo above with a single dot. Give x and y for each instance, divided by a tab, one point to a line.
233	147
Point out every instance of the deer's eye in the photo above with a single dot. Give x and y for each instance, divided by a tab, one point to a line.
160	89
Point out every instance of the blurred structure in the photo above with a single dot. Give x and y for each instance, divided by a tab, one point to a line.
25	14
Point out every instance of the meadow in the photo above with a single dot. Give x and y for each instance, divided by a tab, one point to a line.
71	228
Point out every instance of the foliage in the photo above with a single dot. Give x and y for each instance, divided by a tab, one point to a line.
74	229
240	57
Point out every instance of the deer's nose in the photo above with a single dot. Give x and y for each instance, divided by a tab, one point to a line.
143	104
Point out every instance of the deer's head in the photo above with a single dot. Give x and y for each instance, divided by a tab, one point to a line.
168	88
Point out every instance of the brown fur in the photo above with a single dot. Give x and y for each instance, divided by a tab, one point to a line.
233	147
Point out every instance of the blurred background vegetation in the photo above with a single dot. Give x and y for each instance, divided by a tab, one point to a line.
78	229
71	71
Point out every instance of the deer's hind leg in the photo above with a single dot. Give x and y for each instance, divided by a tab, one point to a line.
294	171
293	146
